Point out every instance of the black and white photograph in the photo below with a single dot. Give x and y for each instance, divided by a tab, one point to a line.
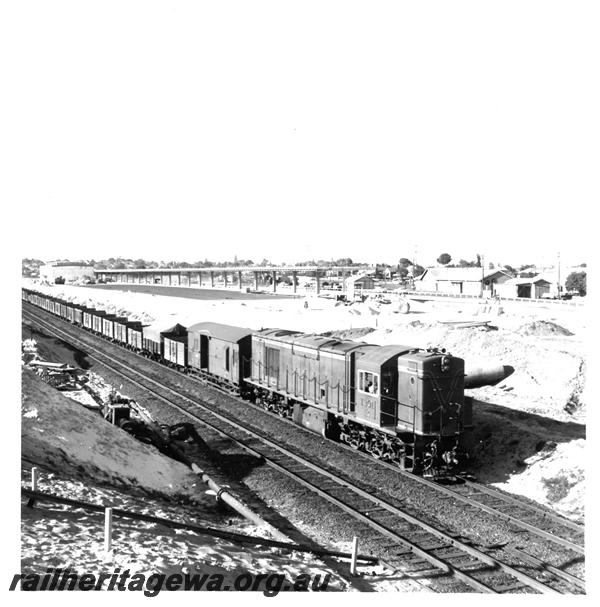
303	297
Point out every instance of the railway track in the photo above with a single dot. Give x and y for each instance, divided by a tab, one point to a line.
417	547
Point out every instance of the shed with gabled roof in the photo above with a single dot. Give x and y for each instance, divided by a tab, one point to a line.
461	281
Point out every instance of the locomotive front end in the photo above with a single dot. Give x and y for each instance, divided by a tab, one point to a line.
431	402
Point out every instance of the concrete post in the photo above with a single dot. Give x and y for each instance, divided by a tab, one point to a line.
294	280
274	281
318	279
225	278
256	281
212	279
240	278
354	555
108	512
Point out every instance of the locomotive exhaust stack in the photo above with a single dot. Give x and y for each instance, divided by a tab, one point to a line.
480	376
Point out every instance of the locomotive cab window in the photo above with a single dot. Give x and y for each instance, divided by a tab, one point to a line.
368	382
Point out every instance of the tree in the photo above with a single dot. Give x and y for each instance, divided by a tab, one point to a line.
119	266
404	262
577	281
139	264
478	264
444	259
402	271
418	270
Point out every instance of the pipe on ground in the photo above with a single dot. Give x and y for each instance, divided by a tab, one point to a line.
480	376
228	498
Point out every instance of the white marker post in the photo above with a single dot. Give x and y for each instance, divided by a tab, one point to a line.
34	478
108	530
354	555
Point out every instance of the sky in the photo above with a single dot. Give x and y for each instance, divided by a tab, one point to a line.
301	130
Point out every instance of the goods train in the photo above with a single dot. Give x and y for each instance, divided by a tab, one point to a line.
399	403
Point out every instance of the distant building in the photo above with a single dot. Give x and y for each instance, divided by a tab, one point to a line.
352	284
461	281
70	271
535	287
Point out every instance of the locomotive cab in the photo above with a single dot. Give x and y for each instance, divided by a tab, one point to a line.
376	381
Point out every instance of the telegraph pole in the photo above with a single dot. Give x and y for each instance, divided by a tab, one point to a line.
482	274
559	287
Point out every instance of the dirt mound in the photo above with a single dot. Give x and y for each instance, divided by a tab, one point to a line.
543	328
63	436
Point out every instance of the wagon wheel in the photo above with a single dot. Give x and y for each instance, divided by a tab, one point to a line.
428	462
429	457
377	453
358	444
